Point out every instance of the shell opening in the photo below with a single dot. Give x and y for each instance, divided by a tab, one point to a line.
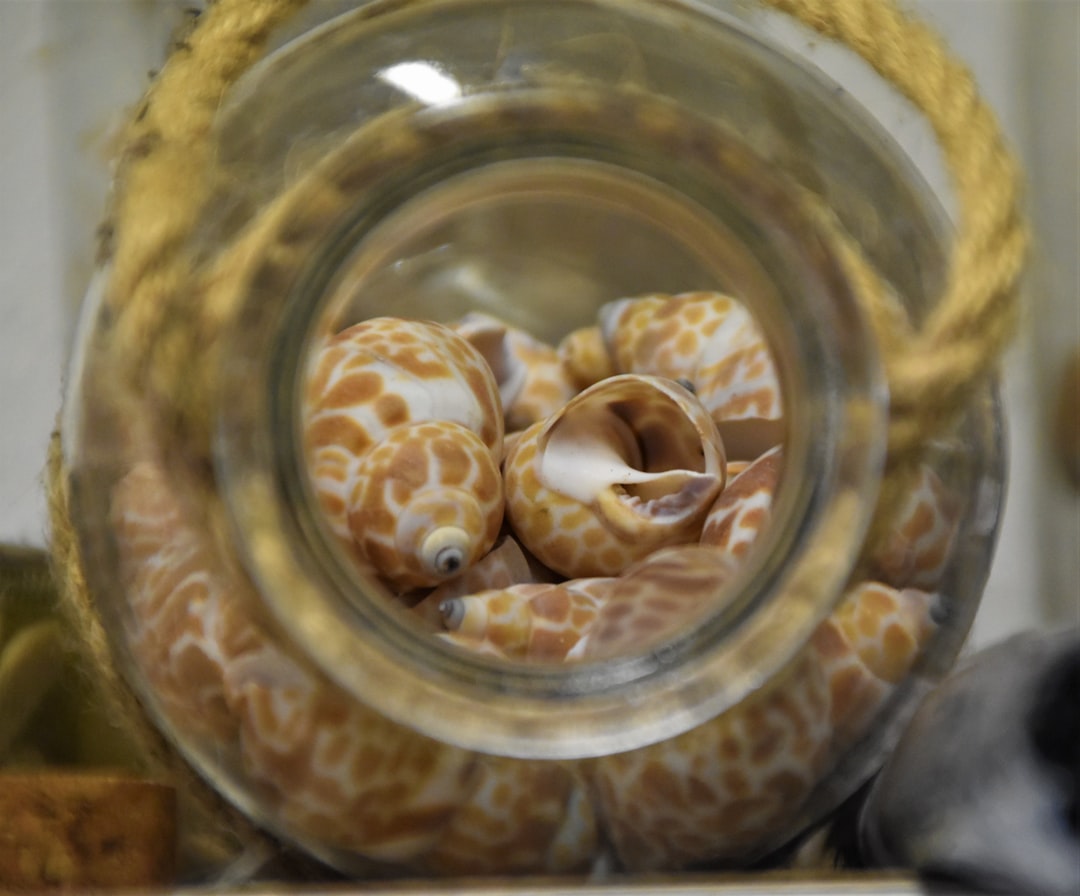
644	459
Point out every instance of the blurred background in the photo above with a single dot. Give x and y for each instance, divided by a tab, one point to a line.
69	70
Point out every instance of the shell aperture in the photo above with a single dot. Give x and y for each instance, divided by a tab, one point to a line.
629	465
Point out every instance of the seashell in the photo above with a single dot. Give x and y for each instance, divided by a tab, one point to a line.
403	430
503	566
530	375
743	509
667	593
585	357
539	621
326	762
521	817
716	791
714	343
915	551
867	646
629	465
341	774
427	503
186	615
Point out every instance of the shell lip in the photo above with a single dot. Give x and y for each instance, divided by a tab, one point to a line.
626	506
603	451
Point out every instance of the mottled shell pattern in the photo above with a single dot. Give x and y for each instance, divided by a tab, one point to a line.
533	383
403	431
614	523
713	343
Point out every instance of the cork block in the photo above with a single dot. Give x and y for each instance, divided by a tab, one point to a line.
78	829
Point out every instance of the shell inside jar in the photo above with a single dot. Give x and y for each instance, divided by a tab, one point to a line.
549	504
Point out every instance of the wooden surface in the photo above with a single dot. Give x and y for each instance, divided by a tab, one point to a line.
84	829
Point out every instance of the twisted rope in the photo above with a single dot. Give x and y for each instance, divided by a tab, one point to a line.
936	371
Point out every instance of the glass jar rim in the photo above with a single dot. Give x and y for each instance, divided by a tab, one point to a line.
541	711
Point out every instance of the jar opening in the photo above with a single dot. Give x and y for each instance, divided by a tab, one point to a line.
533	206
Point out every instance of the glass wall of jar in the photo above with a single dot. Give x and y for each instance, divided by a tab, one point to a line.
501	505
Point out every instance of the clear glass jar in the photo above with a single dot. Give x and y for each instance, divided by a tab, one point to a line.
533	161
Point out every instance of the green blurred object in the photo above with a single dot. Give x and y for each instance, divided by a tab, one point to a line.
49	712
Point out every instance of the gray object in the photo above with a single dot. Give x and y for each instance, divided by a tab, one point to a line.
983	786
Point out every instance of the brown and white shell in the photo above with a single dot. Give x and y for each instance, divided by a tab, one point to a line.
713	342
539	621
533	383
403	431
627	466
867	646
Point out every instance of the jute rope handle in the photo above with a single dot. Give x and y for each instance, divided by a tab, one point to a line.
933	371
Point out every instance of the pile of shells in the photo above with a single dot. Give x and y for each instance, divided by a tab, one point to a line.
542	503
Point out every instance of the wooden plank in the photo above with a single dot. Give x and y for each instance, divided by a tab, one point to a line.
85	829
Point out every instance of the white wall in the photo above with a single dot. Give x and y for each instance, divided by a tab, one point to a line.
68	68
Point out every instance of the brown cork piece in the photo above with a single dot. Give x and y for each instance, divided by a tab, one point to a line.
79	829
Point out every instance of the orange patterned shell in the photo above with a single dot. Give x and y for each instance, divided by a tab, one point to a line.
504	565
714	343
743	510
868	646
667	594
529	621
325	763
917	549
519	817
585	357
533	384
627	466
427	503
386	492
185	621
715	791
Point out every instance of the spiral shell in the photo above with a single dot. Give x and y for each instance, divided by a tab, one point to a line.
323	762
187	618
533	384
714	792
585	357
625	467
915	552
656	599
743	509
711	341
519	817
404	432
503	566
529	621
867	646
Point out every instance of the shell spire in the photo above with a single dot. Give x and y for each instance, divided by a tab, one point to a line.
529	621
